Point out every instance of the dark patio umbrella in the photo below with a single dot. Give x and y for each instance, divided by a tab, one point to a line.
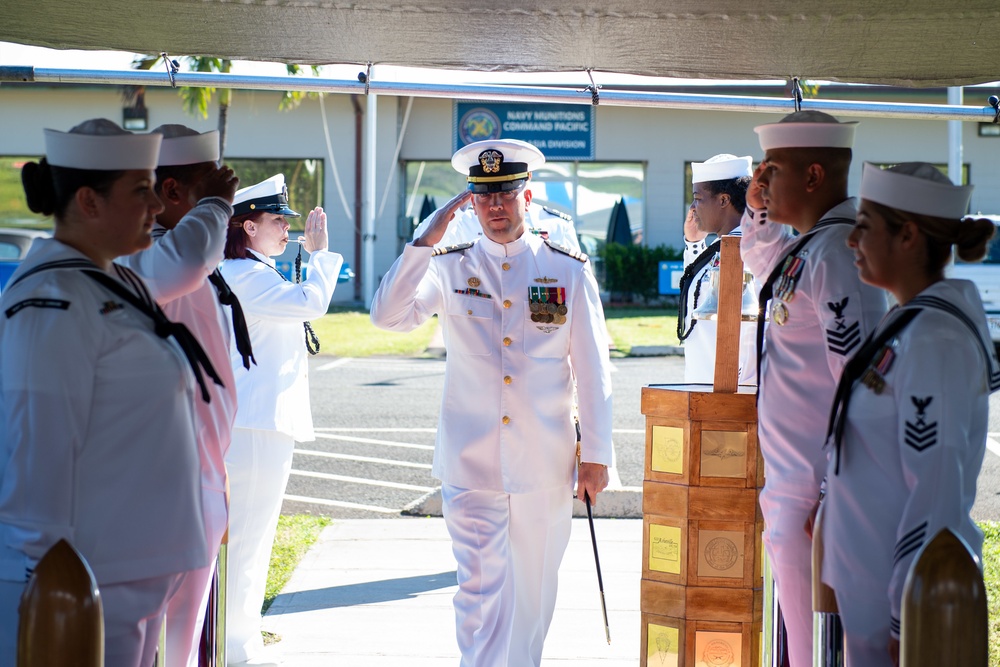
619	229
427	207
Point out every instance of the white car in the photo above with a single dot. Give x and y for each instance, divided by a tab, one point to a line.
986	276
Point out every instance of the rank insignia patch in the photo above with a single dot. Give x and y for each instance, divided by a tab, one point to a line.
841	337
922	432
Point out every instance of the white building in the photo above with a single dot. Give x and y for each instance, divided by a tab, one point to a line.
640	153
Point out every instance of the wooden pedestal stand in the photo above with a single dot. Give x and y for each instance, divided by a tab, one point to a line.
701	592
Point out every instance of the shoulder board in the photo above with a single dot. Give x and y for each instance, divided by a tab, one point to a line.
558	214
579	256
451	248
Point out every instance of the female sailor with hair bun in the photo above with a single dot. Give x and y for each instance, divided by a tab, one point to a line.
908	426
97	440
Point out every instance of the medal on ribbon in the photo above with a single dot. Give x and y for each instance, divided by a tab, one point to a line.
874	377
547	304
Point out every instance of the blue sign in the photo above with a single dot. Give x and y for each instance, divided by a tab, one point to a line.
670	277
560	131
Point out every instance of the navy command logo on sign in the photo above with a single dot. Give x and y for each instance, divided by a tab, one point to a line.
478	124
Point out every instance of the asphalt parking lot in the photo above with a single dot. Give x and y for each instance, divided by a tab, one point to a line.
376	419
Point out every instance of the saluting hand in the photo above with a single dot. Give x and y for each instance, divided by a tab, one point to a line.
440	221
316	237
691	231
219	182
755	197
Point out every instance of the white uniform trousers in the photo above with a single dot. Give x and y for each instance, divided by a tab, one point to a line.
258	463
790	551
186	610
508	548
867	643
133	614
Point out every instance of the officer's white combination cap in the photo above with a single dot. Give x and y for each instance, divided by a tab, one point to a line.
270	196
498	164
101	144
806	129
182	145
915	187
722	167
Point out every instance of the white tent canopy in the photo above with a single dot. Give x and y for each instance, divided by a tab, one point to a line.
899	42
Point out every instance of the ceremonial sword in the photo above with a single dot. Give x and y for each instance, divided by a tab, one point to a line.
597	562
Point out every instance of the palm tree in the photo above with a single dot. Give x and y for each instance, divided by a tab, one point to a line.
197	100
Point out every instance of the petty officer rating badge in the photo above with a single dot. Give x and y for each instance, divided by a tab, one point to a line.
547	304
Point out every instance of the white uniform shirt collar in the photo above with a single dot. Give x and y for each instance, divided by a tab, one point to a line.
845	209
509	249
262	257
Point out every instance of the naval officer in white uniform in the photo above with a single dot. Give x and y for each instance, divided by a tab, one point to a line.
911	421
521	316
718	202
188	238
819	314
273	395
98	445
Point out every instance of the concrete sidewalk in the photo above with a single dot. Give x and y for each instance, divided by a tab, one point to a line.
378	592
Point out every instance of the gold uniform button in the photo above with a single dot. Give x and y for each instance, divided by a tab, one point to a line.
506	419
505	266
507	341
506	303
507	379
470	312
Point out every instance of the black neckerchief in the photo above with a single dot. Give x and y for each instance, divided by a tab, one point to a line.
312	342
767	290
140	299
685	286
227	298
853	370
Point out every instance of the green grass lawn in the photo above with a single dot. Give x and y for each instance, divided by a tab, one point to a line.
631	327
296	534
991	575
348	332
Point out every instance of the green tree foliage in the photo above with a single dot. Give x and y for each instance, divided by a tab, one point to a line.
632	271
197	100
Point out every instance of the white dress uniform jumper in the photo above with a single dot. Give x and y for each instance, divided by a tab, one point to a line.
176	268
912	444
519	320
819	314
122	485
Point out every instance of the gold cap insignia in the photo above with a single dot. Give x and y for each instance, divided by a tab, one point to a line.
491	161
